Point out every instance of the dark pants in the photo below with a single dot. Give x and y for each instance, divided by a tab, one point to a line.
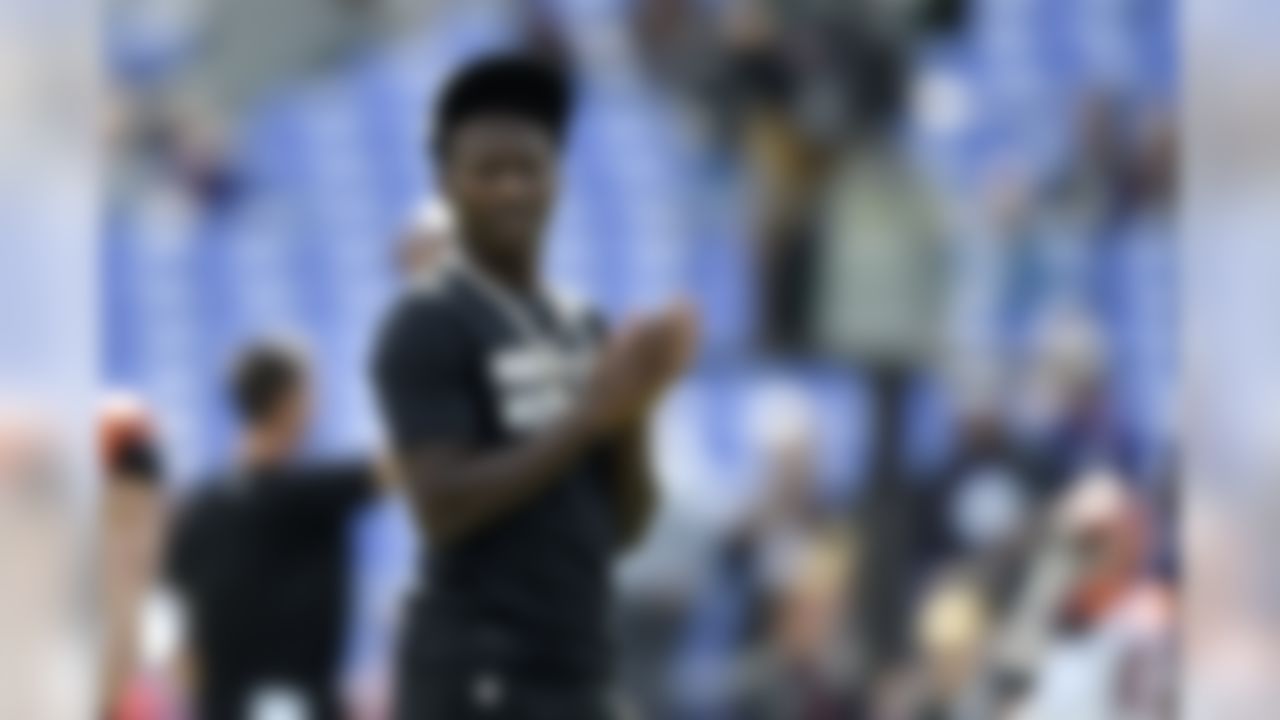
454	694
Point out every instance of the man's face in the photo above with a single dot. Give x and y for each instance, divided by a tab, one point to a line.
500	174
292	418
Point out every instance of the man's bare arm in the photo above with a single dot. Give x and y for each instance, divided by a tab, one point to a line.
635	489
669	340
458	492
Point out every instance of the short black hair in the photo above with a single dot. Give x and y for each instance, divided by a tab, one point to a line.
265	373
510	85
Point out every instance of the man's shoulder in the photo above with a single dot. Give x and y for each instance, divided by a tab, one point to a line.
428	306
432	296
205	504
215	489
439	284
427	326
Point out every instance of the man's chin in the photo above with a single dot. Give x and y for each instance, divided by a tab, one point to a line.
510	252
514	245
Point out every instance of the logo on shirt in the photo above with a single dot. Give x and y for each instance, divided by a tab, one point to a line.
537	383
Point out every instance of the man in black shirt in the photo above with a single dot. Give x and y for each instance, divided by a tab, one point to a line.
518	426
258	559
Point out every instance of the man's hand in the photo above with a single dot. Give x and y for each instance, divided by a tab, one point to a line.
643	360
460	492
637	365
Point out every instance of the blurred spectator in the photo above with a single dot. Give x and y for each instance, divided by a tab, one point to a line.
881	281
1093	633
1066	408
542	31
783	163
1058	226
675	41
659	586
807	669
175	153
950	633
1156	172
788	510
1088	187
194	141
982	504
758	560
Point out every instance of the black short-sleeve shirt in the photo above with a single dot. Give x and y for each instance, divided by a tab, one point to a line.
259	558
462	362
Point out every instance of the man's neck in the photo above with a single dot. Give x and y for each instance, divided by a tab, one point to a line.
518	278
261	448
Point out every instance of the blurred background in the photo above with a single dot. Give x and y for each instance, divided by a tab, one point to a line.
924	464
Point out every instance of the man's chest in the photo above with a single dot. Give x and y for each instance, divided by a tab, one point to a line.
533	384
532	376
